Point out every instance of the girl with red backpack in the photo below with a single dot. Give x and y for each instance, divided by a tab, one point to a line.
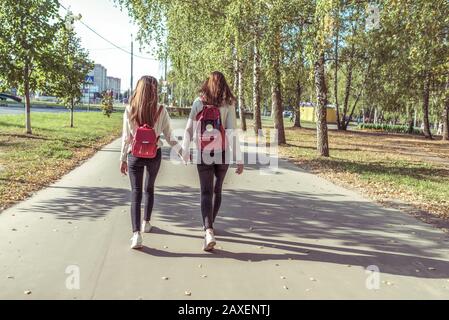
211	124
143	122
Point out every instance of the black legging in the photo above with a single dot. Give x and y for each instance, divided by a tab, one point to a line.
136	169
208	173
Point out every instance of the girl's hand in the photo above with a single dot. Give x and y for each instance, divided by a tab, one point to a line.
185	155
239	169
124	168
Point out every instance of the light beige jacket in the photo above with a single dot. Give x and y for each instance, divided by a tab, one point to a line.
162	126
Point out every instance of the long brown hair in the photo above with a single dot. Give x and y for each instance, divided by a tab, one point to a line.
144	101
215	90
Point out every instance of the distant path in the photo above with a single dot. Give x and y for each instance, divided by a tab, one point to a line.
291	235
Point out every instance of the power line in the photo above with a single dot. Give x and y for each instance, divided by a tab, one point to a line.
110	42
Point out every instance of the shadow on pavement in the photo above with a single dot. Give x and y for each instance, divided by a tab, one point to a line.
361	233
365	233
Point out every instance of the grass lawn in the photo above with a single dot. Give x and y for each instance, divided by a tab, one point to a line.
28	163
385	167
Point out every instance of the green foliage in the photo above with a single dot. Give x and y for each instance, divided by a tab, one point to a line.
71	67
107	104
379	69
27	30
389	128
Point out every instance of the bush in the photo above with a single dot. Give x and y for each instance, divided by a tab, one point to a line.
389	128
107	104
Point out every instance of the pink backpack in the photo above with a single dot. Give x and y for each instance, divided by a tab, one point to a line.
145	140
211	132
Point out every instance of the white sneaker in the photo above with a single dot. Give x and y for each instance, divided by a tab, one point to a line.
146	226
209	241
136	241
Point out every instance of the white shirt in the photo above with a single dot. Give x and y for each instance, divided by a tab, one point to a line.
129	129
228	115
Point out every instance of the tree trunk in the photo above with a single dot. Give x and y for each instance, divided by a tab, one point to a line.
276	95
27	100
344	121
297	115
256	88
71	114
410	120
236	73
446	120
276	98
337	108
321	111
426	99
240	97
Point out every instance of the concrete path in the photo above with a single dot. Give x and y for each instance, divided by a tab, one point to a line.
289	235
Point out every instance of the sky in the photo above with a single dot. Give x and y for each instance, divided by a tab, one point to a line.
116	26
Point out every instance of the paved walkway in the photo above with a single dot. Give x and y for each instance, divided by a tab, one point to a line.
291	235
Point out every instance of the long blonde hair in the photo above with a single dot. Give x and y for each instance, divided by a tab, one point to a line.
144	101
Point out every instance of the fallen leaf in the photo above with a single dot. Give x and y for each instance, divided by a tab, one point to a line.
285	287
282	277
27	292
200	266
203	276
431	269
313	279
187	293
164	278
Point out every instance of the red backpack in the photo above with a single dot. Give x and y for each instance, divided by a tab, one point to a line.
211	132
145	140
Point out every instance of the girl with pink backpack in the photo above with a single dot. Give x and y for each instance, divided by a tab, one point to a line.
143	122
211	124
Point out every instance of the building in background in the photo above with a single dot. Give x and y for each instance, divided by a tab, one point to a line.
100	74
97	81
114	85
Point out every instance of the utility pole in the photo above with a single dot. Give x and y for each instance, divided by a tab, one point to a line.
132	68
